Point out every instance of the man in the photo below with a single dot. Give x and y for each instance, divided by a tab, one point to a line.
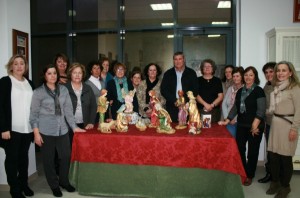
268	70
179	77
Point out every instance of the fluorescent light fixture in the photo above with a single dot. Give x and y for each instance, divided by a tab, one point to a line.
170	36
224	4
213	35
219	22
167	24
161	6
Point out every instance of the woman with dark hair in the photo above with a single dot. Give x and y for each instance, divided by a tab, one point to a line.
283	138
227	80
136	77
152	72
228	101
115	93
250	108
61	61
16	133
105	75
210	93
51	108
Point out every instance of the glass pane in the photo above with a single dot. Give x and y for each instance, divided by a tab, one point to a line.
200	47
202	12
142	48
140	14
48	16
94	14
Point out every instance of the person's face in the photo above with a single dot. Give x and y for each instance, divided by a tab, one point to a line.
136	79
152	72
105	66
61	65
51	76
249	78
96	71
228	73
283	72
76	75
269	73
18	67
207	69
178	62
237	78
120	72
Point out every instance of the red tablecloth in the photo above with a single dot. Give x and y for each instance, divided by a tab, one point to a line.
214	148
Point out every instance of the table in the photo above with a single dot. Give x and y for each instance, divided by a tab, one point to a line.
148	164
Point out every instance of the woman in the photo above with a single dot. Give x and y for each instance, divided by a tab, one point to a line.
51	107
117	88
16	133
283	137
105	75
61	61
136	78
227	80
229	98
152	72
250	107
210	93
82	97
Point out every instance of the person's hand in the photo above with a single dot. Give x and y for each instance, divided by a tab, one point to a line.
223	123
293	135
232	122
254	131
38	139
5	135
89	126
78	130
207	107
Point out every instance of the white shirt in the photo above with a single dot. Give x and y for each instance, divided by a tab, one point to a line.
96	82
21	94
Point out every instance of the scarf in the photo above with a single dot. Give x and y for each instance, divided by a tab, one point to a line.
244	95
150	86
118	82
55	95
234	90
276	95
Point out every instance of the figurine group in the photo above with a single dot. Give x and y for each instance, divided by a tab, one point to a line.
159	119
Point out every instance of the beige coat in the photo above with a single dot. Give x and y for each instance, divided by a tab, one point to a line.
280	128
141	96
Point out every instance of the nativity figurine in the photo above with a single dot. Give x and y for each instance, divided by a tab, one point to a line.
164	120
194	114
182	113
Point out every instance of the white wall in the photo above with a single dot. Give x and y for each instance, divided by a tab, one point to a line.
256	17
14	14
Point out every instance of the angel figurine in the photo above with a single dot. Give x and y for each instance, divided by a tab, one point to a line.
128	101
194	114
102	105
182	114
164	120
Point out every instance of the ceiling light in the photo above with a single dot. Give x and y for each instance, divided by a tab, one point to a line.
224	4
162	6
170	36
167	24
219	22
213	35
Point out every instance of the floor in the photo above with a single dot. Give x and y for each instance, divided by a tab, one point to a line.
257	190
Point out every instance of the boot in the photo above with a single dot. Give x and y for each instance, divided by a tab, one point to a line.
265	179
274	188
283	192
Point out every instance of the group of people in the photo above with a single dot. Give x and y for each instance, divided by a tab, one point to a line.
67	102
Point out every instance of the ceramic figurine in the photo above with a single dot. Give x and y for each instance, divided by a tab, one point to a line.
122	122
164	120
128	97
102	105
154	122
106	127
140	125
194	114
182	114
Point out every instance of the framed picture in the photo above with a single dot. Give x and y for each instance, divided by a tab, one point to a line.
296	10
20	43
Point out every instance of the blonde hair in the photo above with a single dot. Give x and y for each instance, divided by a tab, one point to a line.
11	62
73	66
294	80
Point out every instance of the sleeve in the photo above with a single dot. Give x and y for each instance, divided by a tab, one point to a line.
166	87
68	108
3	114
232	113
261	104
296	102
194	82
225	109
35	108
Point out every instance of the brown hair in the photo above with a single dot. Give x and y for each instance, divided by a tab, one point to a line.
75	65
117	65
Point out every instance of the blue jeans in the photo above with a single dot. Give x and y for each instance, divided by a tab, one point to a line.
232	129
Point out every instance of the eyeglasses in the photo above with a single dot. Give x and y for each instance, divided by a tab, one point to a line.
120	70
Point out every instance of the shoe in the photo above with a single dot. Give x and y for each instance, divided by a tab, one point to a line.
274	188
283	192
17	195
68	188
27	191
248	181
56	192
265	179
